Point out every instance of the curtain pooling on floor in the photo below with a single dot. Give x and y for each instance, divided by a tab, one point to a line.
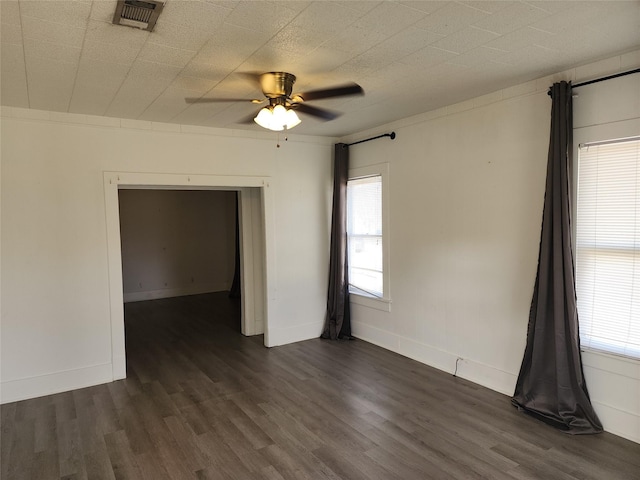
551	384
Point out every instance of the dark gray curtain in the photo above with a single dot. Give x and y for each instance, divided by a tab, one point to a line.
551	383
338	319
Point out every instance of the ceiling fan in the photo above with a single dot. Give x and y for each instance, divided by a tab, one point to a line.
280	113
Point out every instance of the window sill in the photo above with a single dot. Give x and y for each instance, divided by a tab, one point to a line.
611	363
382	304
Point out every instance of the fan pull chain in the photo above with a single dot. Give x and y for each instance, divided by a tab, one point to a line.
286	139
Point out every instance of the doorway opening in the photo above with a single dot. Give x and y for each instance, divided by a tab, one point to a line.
179	243
255	246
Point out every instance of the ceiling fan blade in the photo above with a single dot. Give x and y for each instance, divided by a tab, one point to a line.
248	120
349	89
315	111
253	77
219	100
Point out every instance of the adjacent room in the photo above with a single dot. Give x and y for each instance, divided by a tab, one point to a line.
312	239
176	242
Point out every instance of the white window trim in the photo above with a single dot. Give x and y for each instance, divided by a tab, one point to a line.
379	303
592	134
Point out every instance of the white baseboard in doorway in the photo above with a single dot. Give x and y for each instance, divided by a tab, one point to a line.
299	333
48	384
176	292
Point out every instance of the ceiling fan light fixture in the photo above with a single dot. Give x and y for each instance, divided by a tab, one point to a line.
264	118
277	118
292	119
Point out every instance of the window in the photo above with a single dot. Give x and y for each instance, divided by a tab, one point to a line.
608	246
364	235
366	242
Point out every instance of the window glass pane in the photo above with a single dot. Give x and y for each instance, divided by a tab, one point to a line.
608	247
364	234
366	280
364	206
365	252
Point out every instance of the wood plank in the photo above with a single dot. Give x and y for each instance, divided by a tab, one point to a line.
97	464
46	464
123	460
7	429
70	449
22	454
151	466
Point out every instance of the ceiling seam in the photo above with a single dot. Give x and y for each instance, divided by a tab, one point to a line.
24	56
126	76
84	38
395	34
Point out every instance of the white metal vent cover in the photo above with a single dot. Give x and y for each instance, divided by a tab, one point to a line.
137	13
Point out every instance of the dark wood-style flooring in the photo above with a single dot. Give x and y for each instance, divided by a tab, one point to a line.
203	402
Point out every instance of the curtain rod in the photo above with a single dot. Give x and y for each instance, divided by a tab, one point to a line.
609	77
391	135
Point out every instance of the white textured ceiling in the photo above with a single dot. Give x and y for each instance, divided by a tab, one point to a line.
409	56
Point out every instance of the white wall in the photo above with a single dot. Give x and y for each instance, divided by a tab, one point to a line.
466	196
176	242
55	316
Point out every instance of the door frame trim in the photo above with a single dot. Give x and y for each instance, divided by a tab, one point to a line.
252	274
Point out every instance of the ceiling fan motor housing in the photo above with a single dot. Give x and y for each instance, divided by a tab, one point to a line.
277	84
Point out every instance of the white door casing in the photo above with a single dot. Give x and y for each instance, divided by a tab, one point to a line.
256	246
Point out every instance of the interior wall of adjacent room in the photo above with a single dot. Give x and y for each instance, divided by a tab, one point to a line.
56	331
176	242
466	195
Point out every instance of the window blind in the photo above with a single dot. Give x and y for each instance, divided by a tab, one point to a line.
608	246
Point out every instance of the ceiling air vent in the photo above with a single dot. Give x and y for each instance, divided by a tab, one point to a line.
138	14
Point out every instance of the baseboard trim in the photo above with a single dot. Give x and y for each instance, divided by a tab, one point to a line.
616	421
299	333
175	292
39	386
487	376
476	372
